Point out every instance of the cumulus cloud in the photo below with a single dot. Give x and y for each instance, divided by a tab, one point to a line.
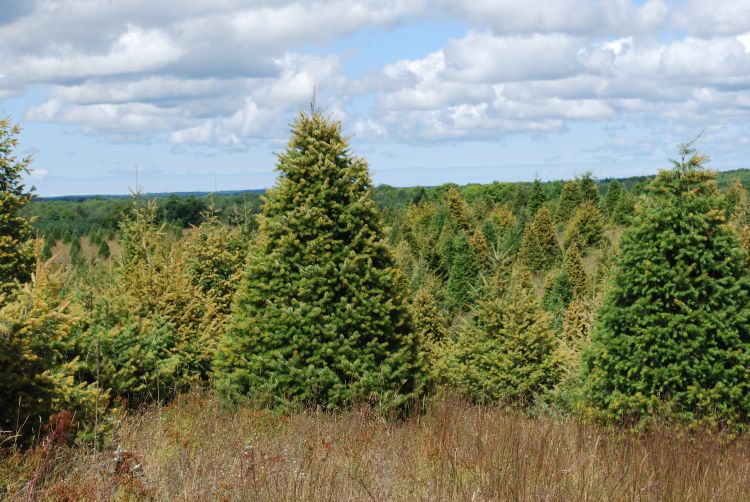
230	73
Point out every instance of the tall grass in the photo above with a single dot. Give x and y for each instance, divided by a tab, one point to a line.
194	449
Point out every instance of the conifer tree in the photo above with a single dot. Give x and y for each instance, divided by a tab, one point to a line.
458	208
38	366
674	332
431	330
215	257
624	209
47	249
540	250
586	229
320	316
588	189
464	273
507	352
573	267
103	251
611	197
16	243
481	249
157	329
557	293
76	252
538	198
570	198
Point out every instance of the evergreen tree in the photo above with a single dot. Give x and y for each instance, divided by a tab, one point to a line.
540	250
588	189
16	243
558	293
570	198
76	252
103	251
573	267
458	208
431	331
49	244
320	316
674	332
464	273
157	330
481	249
586	229
611	197
215	260
538	198
37	364
507	352
624	209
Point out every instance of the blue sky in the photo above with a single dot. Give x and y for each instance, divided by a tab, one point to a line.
199	94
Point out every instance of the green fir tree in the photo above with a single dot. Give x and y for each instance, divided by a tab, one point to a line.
507	353
540	250
320	317
674	332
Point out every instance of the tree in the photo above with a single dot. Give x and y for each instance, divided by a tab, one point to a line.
458	208
431	331
586	229
507	352
464	273
539	249
624	209
103	251
481	249
588	189
570	198
611	197
573	267
38	367
538	198
157	329
320	317
16	243
674	332
76	252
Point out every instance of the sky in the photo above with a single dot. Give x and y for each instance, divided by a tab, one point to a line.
199	95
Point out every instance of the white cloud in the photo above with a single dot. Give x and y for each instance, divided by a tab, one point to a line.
230	73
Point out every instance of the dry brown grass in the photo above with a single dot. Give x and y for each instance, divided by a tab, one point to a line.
195	450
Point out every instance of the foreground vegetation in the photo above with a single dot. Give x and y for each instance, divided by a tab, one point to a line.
193	449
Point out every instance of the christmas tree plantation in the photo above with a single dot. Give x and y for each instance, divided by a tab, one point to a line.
320	317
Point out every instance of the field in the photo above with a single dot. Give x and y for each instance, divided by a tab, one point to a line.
195	449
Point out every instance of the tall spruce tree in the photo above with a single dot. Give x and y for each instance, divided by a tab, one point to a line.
320	317
674	332
16	245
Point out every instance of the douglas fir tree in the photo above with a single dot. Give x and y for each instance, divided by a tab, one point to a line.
320	317
674	332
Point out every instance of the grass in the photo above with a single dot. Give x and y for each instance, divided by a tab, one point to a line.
194	449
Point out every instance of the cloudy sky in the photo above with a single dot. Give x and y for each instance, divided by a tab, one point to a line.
199	94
